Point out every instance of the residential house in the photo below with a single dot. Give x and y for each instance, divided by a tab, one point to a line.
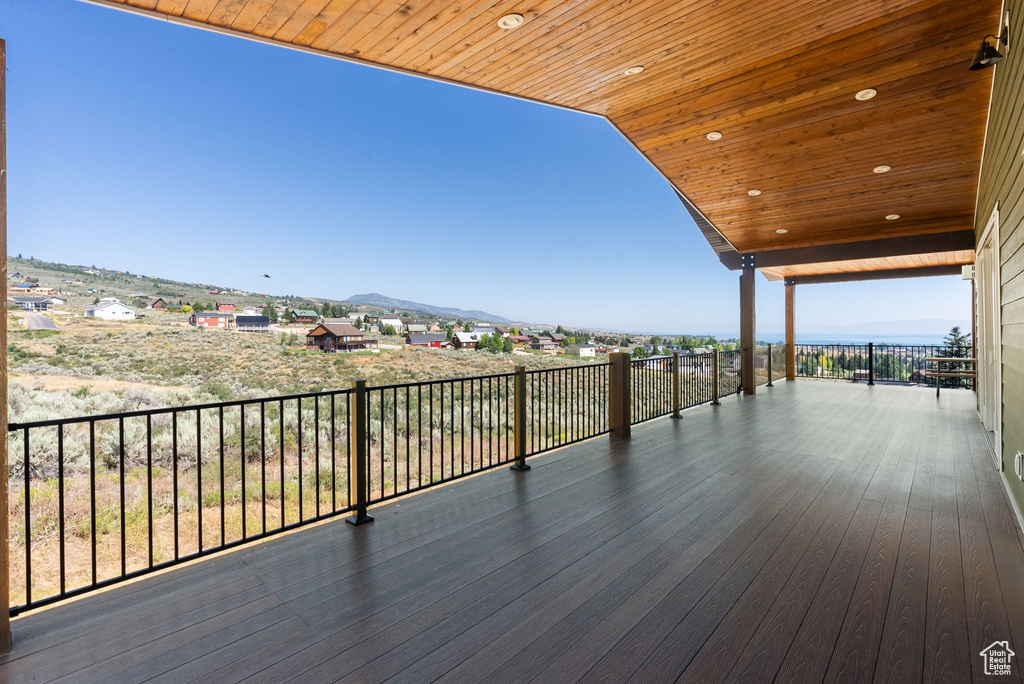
416	328
252	311
557	338
334	337
211	319
583	349
305	316
395	323
30	303
158	303
434	340
434	327
111	311
256	324
502	330
543	341
484	329
521	339
15	276
225	306
465	340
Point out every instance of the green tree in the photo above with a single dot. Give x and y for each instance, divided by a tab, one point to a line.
389	330
210	306
199	308
269	312
326	311
560	330
639	352
507	345
95	300
185	308
514	331
467	328
888	367
957	344
288	316
449	332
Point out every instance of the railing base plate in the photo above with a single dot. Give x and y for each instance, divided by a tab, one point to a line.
519	468
358	520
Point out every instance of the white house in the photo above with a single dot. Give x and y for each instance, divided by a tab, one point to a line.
583	349
394	322
111	311
252	311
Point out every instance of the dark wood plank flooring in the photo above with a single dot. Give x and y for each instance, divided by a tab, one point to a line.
816	532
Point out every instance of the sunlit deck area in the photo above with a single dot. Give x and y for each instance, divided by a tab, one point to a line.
818	531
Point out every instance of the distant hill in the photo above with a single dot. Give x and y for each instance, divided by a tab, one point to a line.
376	299
924	326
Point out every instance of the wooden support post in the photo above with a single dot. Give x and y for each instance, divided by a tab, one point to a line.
677	389
360	463
716	374
770	366
619	396
790	330
519	420
5	575
747	330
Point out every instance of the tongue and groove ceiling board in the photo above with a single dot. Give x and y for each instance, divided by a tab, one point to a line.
776	77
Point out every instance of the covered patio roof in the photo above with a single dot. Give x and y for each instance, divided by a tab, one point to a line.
779	81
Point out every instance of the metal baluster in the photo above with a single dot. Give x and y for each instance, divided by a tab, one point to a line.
174	484
124	529
28	523
299	455
220	449
245	496
60	504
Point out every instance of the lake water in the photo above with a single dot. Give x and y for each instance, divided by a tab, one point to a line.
846	338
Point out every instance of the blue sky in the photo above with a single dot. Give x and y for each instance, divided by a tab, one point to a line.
140	145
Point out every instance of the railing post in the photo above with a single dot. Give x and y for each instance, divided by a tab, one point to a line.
871	363
770	366
357	431
677	389
619	398
519	419
715	373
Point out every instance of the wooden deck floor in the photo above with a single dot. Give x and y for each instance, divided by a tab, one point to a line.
816	532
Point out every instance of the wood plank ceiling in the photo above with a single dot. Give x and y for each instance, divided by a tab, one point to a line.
776	79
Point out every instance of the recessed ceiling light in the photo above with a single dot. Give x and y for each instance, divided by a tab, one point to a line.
753	193
866	94
892	217
511	21
881	169
633	71
714	135
781	231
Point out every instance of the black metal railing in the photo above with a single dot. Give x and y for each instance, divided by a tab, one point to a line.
730	379
653	384
126	494
880	362
651	388
424	434
565	406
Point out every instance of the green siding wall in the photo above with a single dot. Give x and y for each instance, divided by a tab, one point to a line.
1002	181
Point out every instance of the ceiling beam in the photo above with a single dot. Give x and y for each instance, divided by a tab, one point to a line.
887	274
846	251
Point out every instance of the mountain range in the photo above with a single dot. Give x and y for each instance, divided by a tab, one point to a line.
924	326
377	299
